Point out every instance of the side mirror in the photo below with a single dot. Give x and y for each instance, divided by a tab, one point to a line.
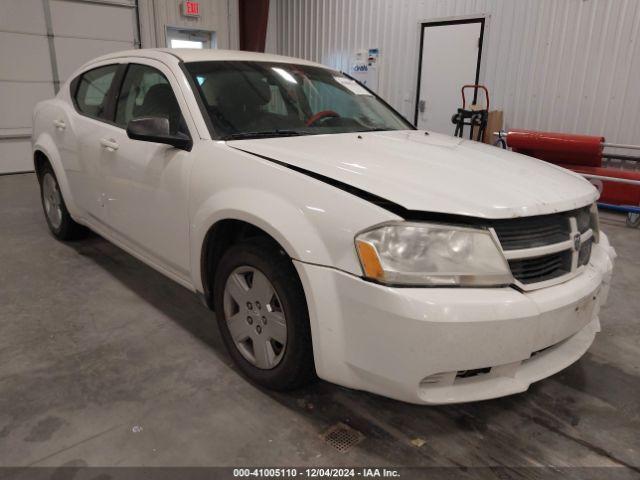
156	129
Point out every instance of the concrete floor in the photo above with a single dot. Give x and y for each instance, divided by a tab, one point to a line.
105	362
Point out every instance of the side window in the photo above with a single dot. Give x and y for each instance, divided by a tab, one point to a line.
93	87
146	92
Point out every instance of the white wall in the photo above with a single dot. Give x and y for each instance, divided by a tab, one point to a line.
559	65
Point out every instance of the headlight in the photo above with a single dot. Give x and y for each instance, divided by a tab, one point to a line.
595	222
432	255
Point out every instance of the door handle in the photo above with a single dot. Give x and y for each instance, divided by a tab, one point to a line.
59	124
422	104
110	144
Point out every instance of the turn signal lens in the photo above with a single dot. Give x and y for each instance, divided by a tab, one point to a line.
370	260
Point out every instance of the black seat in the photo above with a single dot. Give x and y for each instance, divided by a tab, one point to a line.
237	97
160	102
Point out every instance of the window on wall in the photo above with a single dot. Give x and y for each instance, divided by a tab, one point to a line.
177	43
186	38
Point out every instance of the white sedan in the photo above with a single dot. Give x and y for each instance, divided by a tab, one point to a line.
331	237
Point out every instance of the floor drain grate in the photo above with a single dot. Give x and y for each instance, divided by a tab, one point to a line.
342	437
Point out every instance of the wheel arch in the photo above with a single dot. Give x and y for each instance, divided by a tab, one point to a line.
40	159
45	150
234	212
218	239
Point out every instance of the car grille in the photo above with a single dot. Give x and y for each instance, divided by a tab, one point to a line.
548	247
532	232
539	269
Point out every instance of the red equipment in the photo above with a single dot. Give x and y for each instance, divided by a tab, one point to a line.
558	148
584	154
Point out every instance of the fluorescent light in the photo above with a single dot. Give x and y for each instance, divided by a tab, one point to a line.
175	43
284	74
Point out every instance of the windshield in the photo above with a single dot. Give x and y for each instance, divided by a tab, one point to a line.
263	99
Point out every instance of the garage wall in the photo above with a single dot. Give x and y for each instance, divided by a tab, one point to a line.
24	79
71	32
220	16
41	43
85	30
570	65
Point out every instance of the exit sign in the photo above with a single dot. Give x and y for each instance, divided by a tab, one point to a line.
191	9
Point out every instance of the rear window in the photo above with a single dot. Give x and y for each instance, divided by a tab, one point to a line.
92	89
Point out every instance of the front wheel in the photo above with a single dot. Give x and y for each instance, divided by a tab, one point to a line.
262	314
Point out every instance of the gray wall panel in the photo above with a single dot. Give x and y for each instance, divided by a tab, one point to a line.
17	100
22	16
24	57
81	31
90	20
73	52
15	155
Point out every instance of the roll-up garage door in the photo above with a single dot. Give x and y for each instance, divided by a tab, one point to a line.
41	43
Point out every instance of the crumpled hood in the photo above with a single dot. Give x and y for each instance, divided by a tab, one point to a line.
433	173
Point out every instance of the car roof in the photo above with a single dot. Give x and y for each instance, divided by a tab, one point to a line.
204	55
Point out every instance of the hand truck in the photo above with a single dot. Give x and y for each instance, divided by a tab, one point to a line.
475	117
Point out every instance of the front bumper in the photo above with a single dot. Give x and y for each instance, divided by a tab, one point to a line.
448	345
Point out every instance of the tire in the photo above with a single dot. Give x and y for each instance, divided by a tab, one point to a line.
261	351
55	210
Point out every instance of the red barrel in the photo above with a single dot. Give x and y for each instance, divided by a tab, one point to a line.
582	154
558	148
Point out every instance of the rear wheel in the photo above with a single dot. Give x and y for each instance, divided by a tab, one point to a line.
262	315
60	222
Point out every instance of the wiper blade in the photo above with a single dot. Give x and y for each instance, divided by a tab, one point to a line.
376	129
273	133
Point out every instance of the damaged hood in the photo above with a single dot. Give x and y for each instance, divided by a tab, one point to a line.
432	173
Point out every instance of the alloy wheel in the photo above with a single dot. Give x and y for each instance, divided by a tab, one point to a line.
52	200
255	317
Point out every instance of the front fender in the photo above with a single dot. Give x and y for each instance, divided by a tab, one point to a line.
314	222
290	227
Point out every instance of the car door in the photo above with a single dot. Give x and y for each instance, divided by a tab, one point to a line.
147	182
82	152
